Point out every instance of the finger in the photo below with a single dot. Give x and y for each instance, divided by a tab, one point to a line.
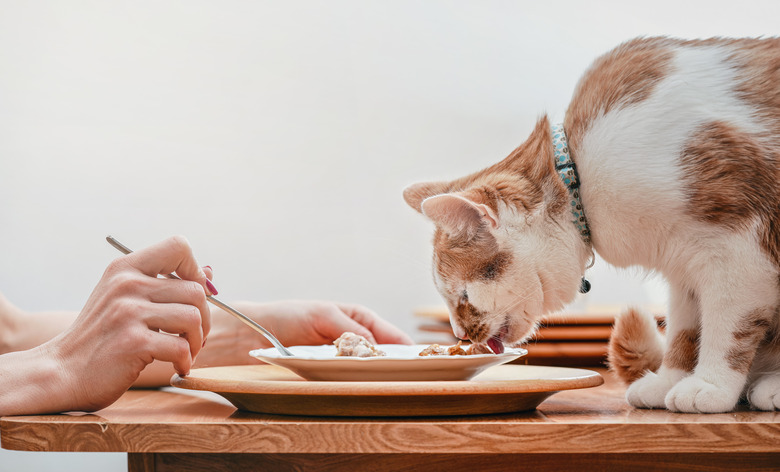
337	322
173	349
176	318
182	292
171	255
209	277
205	321
383	331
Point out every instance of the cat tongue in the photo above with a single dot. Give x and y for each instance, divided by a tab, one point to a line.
496	345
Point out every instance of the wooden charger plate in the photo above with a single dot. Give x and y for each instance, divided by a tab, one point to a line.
500	389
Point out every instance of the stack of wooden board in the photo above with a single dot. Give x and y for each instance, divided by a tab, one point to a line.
570	339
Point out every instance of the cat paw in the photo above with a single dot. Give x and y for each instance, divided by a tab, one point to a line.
696	395
765	393
649	391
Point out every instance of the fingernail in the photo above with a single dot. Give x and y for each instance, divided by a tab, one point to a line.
208	267
211	287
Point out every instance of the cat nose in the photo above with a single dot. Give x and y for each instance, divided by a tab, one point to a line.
459	332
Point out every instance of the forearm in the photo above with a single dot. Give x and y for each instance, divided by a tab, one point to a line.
29	383
20	331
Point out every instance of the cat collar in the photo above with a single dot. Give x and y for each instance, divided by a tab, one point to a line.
566	169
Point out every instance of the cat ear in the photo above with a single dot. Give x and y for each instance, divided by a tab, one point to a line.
542	165
457	215
416	193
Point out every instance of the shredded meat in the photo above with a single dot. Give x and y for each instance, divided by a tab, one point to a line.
456	350
434	350
354	345
475	349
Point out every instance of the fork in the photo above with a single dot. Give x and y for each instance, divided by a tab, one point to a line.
214	300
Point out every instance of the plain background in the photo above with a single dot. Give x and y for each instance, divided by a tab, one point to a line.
278	137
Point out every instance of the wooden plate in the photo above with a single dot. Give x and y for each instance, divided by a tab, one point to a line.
500	389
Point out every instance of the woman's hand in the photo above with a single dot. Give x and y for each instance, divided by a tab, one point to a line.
314	323
293	323
132	318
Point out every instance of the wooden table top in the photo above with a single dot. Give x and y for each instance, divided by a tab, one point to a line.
594	420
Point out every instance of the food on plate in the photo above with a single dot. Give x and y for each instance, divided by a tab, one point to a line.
456	350
433	350
354	345
479	348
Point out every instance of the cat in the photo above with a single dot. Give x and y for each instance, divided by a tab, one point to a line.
672	164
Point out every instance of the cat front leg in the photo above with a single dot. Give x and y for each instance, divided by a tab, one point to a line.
735	316
764	391
679	356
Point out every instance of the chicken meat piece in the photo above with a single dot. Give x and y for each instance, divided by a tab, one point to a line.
477	348
355	345
456	350
434	350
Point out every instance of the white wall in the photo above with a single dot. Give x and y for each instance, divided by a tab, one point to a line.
277	136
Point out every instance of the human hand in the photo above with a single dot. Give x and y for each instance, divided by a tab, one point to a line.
293	323
319	322
132	318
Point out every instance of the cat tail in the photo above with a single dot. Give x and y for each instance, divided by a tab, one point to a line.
636	346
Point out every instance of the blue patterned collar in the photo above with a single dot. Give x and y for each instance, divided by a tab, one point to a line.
568	173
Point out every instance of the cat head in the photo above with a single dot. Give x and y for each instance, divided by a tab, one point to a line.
505	250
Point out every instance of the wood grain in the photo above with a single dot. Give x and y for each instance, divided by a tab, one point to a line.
500	389
588	421
565	353
479	462
139	462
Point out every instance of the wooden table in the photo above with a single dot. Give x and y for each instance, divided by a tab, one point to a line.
590	429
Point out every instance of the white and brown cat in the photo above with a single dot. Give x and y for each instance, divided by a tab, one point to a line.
676	148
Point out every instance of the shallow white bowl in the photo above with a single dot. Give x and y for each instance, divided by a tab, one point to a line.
401	363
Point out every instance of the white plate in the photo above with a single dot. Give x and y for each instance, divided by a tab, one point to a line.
402	362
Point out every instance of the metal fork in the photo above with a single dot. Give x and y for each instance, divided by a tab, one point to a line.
247	320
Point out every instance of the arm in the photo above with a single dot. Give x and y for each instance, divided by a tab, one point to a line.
20	331
26	372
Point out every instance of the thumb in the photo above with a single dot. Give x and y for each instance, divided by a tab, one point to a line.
171	255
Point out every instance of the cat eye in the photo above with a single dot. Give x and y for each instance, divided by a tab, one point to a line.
495	266
490	271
